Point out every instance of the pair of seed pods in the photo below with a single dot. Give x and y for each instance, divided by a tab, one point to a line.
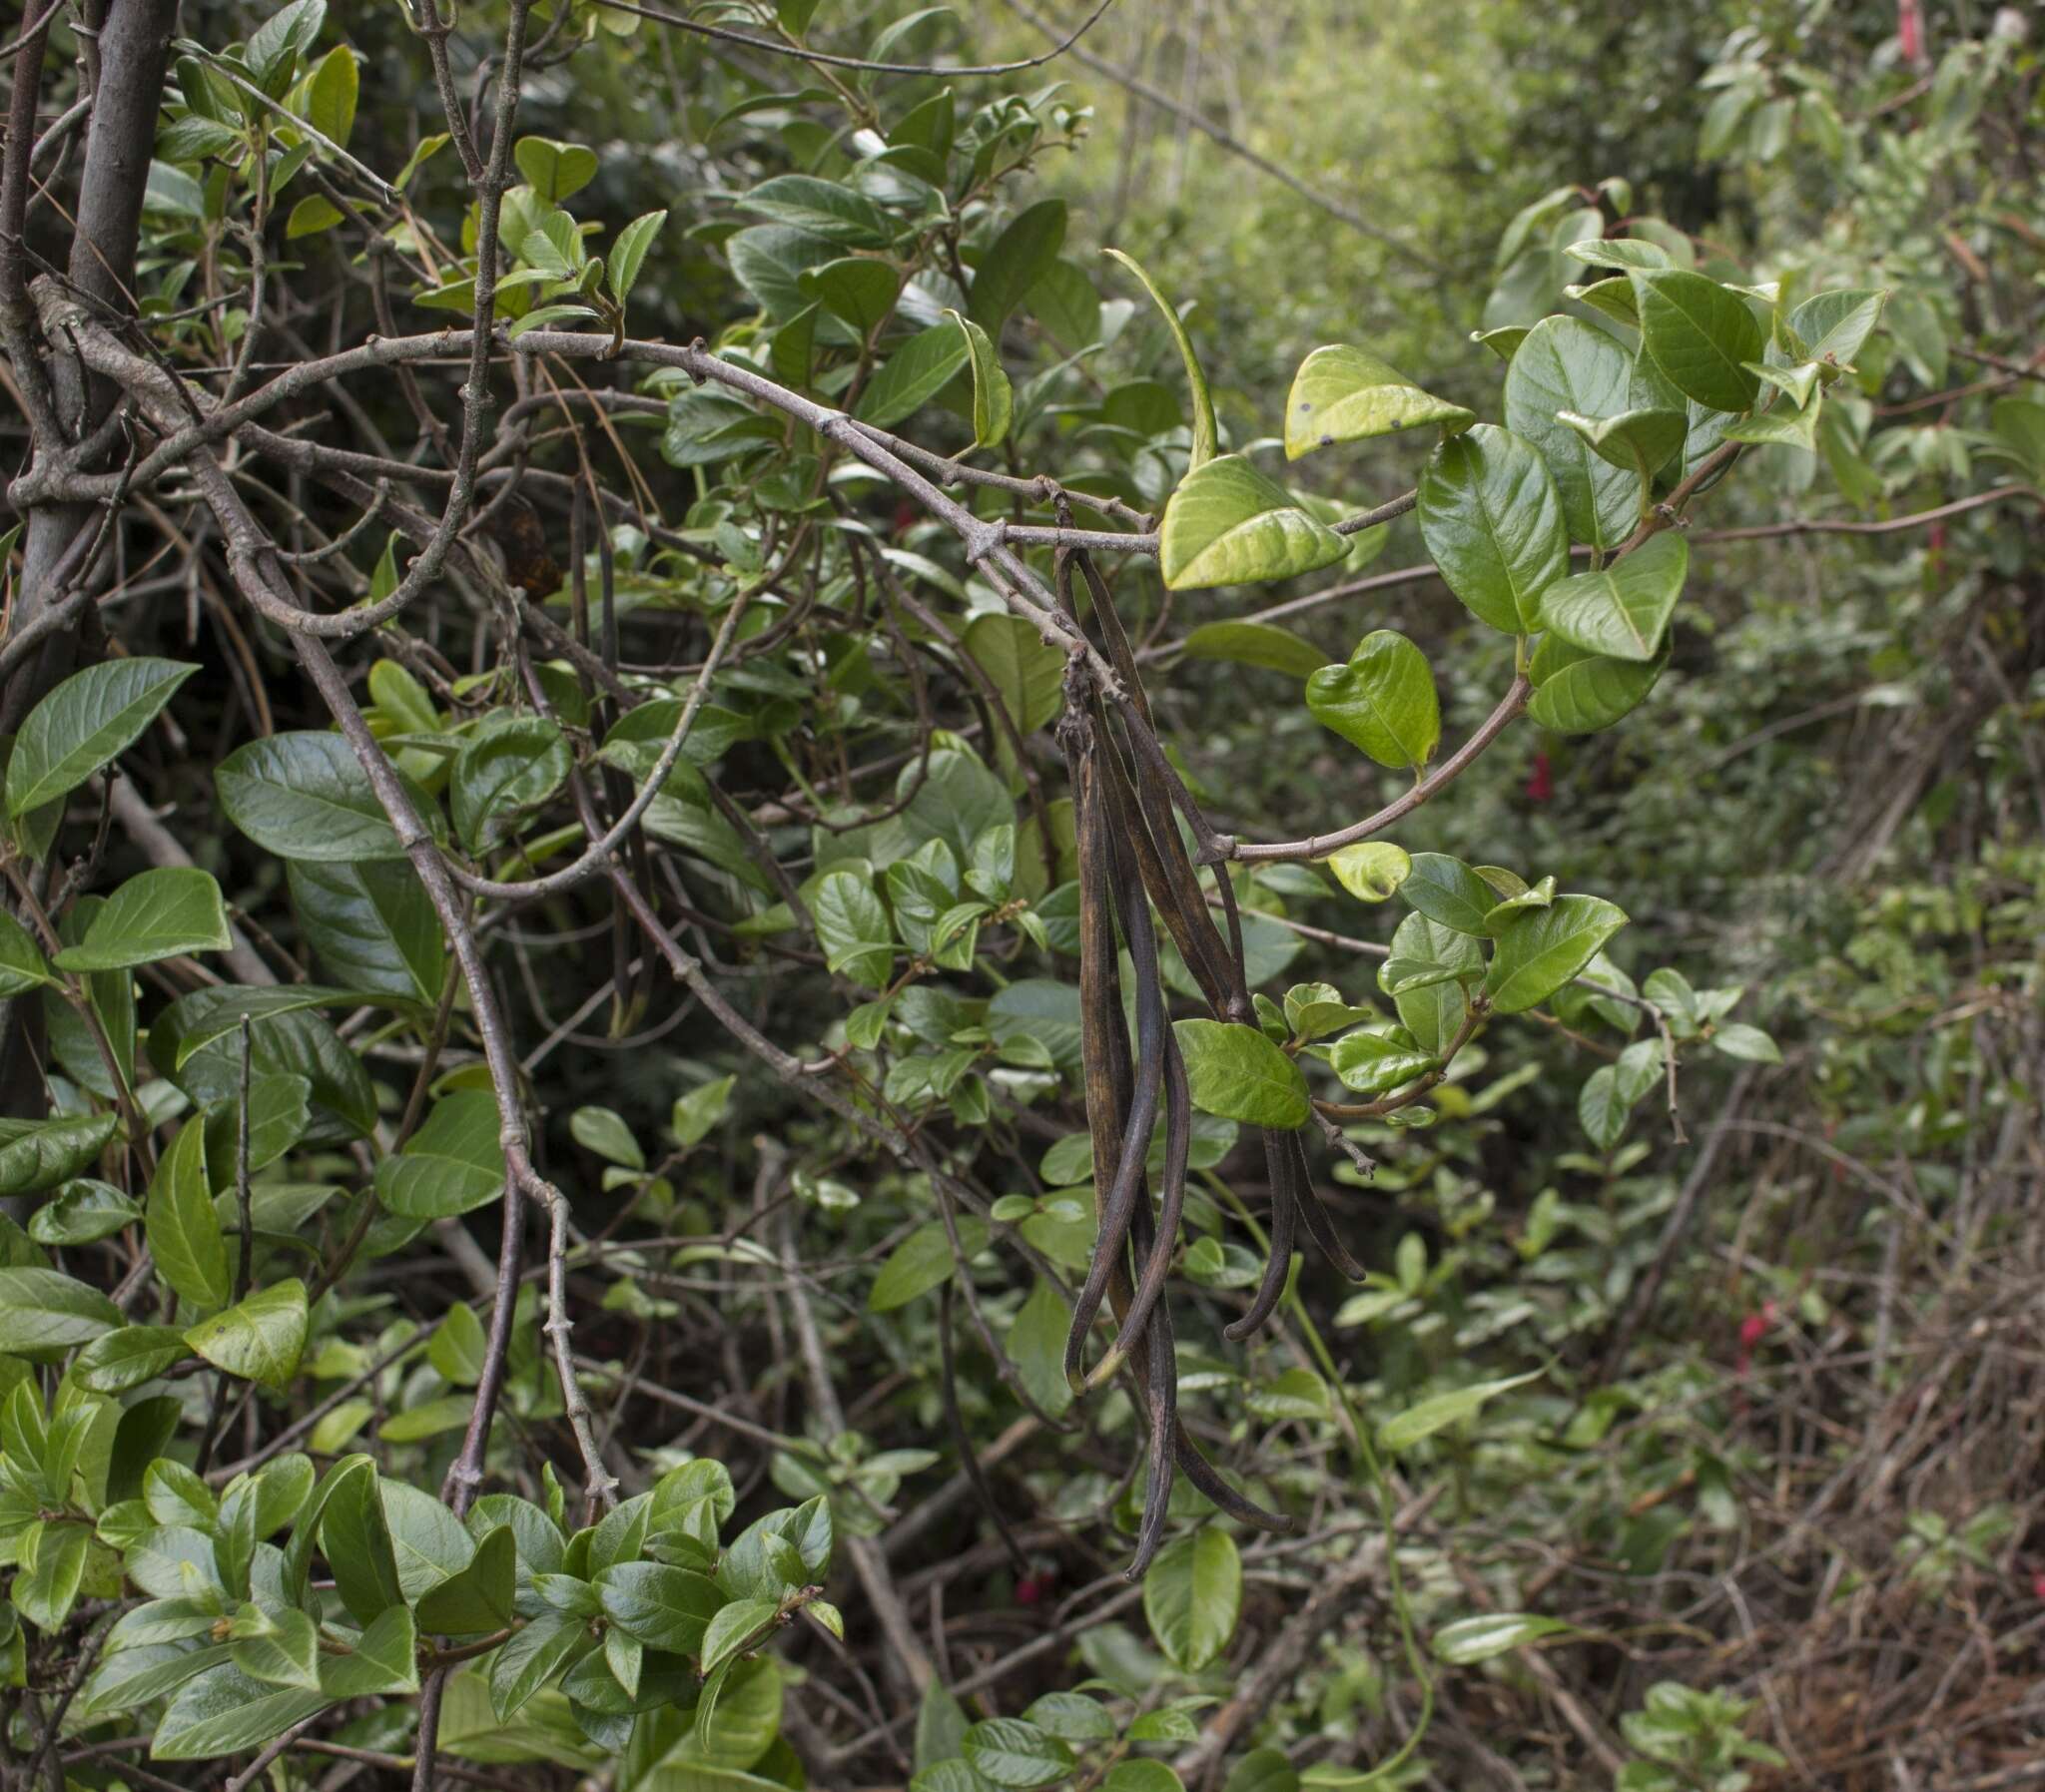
1132	860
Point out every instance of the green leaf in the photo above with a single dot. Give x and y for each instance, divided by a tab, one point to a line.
183	1228
1617	251
700	1109
477	1599
915	373
1640	441
52	1571
258	1340
354	1536
1008	1752
83	724
373	929
664	1607
994	400
820	207
39	1154
628	252
1372	870
1620	610
1739	1040
1382	701
1235	1072
861	290
126	1359
1206	438
453	1164
1491	519
923	1261
1699	335
852	927
732	1627
1832	327
1014	262
1344	394
21	963
1423	1419
331	93
1783	423
531	1658
162	914
1253	643
1447	891
304	796
554	170
1541	949
285	1652
1027	674
1193	1596
509	764
1373	1065
42	1310
82	1212
1478	1638
224	1711
1568	365
385	1662
1227	524
1579	693
1036	1346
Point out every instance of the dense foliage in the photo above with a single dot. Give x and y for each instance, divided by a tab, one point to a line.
882	908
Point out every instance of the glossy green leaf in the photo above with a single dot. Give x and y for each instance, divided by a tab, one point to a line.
477	1599
453	1164
373	929
118	1360
913	374
1028	675
1622	610
1206	441
224	1712
1699	335
1233	1071
1541	949
628	253
531	1658
1227	524
1344	394
1193	1596
994	400
510	763
1579	693
1373	1065
284	1652
1372	870
164	913
664	1607
1640	441
22	966
1448	892
260	1338
39	1154
1382	701
384	1662
183	1232
1832	327
304	796
853	929
1010	1752
82	1212
1491	519
1568	365
83	725
42	1310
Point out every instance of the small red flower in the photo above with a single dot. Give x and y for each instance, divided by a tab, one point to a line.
1753	1328
1032	1589
1541	781
1910	30
2038	1584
